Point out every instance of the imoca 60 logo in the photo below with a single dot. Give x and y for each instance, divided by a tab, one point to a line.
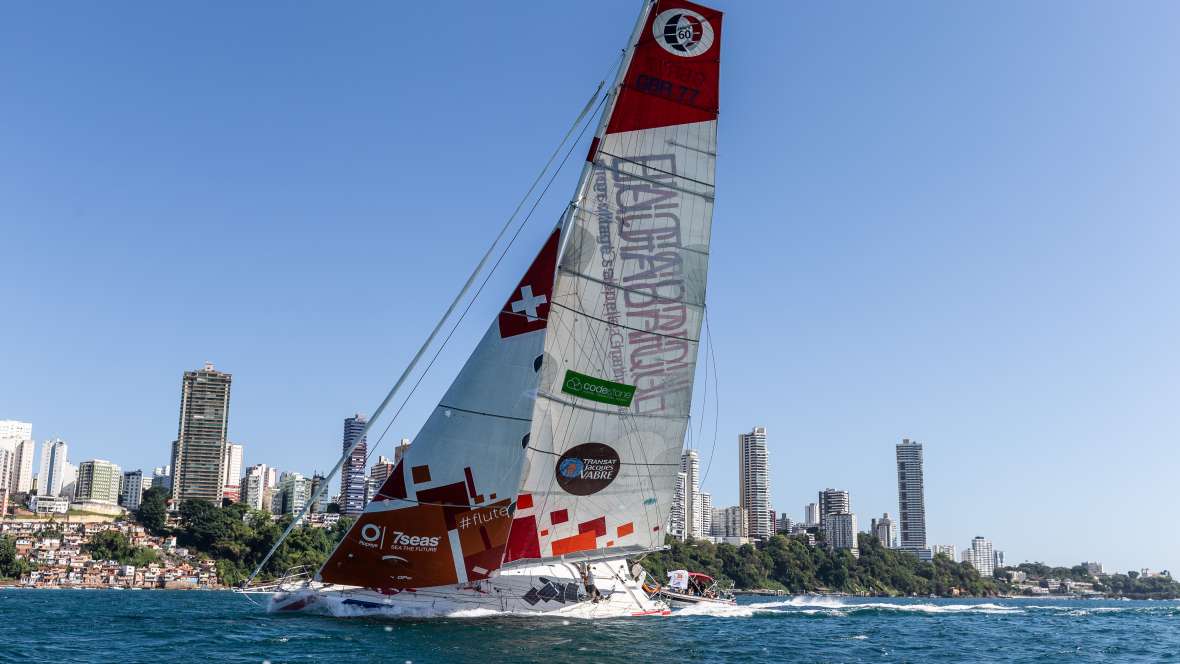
682	32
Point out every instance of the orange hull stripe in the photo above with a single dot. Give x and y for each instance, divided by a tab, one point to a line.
580	542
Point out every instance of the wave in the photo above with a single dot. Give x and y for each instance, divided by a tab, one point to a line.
814	605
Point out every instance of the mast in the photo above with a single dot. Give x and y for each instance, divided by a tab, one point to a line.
607	109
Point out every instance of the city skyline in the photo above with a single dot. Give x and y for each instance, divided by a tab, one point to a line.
998	285
294	489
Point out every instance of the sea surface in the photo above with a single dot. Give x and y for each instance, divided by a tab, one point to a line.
191	626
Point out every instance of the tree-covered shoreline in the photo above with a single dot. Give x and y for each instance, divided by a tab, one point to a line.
237	537
792	565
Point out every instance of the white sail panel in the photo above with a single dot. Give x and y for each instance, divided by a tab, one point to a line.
443	515
628	304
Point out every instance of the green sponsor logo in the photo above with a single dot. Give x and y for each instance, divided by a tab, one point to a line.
597	389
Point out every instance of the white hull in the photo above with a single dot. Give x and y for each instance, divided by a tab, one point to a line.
554	589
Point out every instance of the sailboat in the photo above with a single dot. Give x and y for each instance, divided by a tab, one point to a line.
552	458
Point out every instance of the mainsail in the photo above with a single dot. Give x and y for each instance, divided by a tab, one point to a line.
443	515
560	437
625	317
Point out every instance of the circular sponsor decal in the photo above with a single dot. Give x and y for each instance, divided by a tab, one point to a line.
587	468
682	32
370	532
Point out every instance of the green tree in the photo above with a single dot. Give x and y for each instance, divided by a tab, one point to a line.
11	567
109	545
153	510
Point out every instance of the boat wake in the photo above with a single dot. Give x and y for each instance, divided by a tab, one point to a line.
838	607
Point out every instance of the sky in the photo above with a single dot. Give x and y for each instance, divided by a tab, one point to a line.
950	222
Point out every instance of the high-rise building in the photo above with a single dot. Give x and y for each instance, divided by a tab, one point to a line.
291	495
6	464
15	430
911	500
833	501
706	505
678	515
731	522
784	524
997	559
98	481
840	531
754	482
131	495
257	486
400	451
811	514
883	529
162	478
378	473
233	472
947	550
690	465
198	455
981	556
352	475
17	438
69	478
54	467
318	482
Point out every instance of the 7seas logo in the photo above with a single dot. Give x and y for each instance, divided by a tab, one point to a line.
587	468
682	32
373	537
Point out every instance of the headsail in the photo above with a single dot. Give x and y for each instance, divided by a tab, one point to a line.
620	351
443	515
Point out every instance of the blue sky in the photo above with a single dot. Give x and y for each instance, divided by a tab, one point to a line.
948	222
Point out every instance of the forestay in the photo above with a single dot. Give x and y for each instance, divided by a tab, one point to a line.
620	352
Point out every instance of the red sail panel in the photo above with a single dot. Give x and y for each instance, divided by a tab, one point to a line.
674	72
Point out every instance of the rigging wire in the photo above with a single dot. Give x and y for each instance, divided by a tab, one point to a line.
586	109
479	290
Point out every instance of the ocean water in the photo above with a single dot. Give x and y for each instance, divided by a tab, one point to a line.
162	626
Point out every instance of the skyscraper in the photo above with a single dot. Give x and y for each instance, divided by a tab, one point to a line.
400	450
690	465
292	494
840	531
198	455
54	459
257	486
833	501
811	514
233	472
352	475
883	529
17	438
678	515
6	463
706	505
981	556
754	483
321	503
131	495
378	473
98	481
947	550
911	500
731	522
